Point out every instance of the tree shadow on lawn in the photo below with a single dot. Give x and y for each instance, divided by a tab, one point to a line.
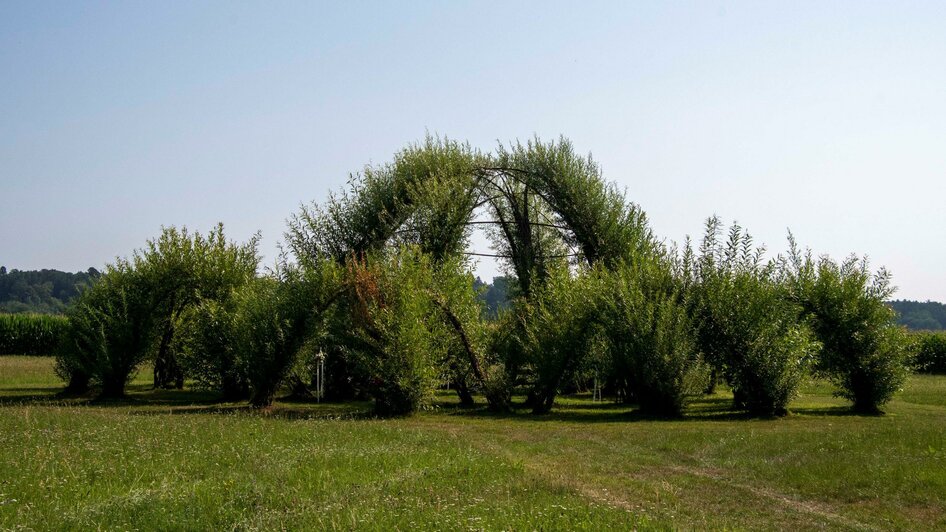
29	398
832	410
142	399
712	408
136	395
323	411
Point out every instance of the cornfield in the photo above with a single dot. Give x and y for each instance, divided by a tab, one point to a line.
30	334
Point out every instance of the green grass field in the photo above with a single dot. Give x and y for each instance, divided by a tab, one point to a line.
179	460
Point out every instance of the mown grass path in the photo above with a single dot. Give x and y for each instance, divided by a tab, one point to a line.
173	460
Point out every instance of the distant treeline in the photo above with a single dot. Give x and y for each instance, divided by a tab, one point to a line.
494	296
42	291
51	291
921	316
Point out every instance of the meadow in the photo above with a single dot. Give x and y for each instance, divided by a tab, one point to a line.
180	459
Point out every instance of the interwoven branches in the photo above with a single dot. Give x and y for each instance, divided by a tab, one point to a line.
544	200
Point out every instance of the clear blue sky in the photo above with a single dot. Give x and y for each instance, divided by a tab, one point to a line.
828	118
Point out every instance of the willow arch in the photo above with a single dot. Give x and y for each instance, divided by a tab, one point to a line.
430	193
545	206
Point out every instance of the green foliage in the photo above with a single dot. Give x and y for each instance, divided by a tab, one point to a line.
462	326
273	319
424	197
381	289
748	329
524	235
392	328
41	291
920	315
30	334
929	352
209	349
863	350
138	305
559	326
495	295
595	216
182	270
651	338
441	179
110	332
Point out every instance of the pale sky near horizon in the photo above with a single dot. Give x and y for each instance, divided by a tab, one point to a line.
828	118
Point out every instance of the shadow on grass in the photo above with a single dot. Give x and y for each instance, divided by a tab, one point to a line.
711	408
136	395
833	410
324	411
143	400
22	399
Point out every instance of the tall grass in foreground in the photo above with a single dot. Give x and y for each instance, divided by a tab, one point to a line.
179	460
30	334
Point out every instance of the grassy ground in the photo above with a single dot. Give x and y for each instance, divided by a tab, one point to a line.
173	460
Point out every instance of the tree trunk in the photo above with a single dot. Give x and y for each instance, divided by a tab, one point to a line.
711	385
298	388
78	384
543	402
167	371
233	390
263	398
113	388
464	393
739	399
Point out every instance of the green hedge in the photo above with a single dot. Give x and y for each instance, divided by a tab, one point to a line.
929	352
30	334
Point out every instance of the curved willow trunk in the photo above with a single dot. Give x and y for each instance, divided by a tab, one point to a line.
78	384
167	370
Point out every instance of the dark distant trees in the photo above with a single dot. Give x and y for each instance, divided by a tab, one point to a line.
495	296
920	315
41	291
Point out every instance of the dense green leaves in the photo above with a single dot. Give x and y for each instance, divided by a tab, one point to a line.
559	325
111	330
595	217
269	328
180	271
395	334
381	288
30	334
41	291
929	352
748	328
651	338
425	197
863	351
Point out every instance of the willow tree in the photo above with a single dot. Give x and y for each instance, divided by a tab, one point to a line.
110	330
748	326
545	205
425	197
863	350
596	218
181	269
